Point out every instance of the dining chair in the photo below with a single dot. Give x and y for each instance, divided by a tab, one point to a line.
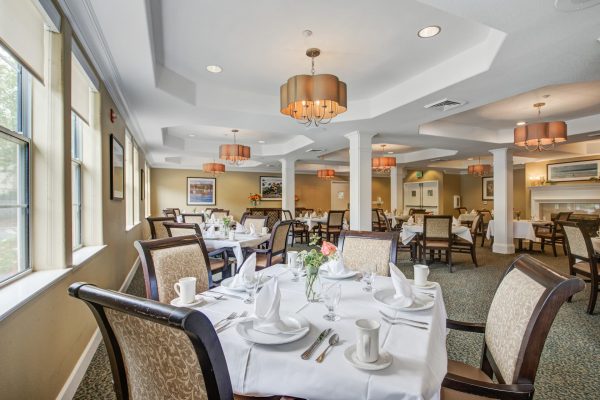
583	259
461	210
552	234
157	228
298	228
376	225
192	218
522	312
158	351
374	251
460	245
437	237
275	252
218	259
171	212
165	261
335	224
588	222
486	217
259	221
414	211
219	214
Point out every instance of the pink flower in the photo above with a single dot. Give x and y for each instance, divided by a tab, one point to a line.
328	249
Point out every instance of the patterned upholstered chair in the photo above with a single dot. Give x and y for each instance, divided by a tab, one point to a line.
276	248
192	218
335	224
157	351
157	228
219	258
273	215
259	221
298	229
165	261
460	245
583	259
553	234
437	237
372	250
588	222
219	214
522	311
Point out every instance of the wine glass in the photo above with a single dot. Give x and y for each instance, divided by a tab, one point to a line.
251	282
331	298
368	277
297	267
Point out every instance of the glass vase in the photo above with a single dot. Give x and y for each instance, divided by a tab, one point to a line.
313	286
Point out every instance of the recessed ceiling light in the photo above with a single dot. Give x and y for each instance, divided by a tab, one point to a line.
261	141
521	123
215	69
429	31
470	159
307	33
390	152
191	135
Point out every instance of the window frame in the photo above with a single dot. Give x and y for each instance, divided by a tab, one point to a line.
76	122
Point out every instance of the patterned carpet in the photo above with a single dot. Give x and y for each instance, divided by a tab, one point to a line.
570	364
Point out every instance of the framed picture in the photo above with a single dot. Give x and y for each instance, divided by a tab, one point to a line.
201	191
573	171
487	188
142	183
270	188
117	169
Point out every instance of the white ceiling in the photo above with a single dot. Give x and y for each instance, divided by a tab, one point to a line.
152	56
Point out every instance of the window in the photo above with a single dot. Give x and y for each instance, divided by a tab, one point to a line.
147	189
15	114
136	186
76	178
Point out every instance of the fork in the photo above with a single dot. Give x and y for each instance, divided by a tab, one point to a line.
391	318
228	318
404	323
228	323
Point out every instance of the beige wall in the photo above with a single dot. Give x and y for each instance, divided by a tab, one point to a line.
42	341
470	188
450	188
380	187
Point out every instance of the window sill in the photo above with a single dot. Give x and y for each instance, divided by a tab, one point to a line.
85	254
130	227
14	295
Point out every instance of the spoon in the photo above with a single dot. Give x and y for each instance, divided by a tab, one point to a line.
333	340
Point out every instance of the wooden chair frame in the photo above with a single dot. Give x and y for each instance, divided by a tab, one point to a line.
425	237
555	231
298	228
152	220
331	235
183	215
391	236
269	250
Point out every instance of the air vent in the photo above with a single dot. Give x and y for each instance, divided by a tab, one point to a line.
314	150
574	5
445	104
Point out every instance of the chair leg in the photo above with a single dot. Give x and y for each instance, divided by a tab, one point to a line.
474	256
593	296
554	248
543	244
482	238
564	246
449	259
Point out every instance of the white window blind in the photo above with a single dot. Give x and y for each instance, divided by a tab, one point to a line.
80	91
22	31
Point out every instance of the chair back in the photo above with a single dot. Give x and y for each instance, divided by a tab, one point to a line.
286	215
219	214
273	215
157	351
475	224
437	227
486	216
588	222
182	229
414	211
165	261
257	220
522	311
461	210
168	212
579	244
335	219
560	217
157	228
278	239
193	218
374	251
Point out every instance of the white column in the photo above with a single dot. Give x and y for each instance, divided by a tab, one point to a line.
288	177
401	173
393	188
360	180
503	201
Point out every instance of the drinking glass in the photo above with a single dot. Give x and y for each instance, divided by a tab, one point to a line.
251	282
297	268
331	298
368	277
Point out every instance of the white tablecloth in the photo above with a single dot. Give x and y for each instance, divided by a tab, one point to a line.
596	244
521	230
241	240
410	231
393	219
417	371
312	222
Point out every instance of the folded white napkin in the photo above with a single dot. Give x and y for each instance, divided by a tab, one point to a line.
252	229
325	215
411	220
313	215
210	232
335	267
266	311
455	222
202	225
247	268
473	211
239	228
404	296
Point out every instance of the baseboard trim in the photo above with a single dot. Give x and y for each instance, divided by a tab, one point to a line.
502	248
70	387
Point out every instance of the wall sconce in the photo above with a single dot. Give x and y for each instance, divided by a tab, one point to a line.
536	180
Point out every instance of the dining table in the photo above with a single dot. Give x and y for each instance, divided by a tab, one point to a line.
312	222
393	219
522	230
409	231
419	356
237	245
470	217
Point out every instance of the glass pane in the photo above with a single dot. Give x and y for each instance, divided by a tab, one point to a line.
76	201
9	89
11	175
13	242
76	136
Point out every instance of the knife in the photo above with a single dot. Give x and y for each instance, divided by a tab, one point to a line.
226	294
306	355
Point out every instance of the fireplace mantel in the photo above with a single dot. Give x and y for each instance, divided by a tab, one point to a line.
570	193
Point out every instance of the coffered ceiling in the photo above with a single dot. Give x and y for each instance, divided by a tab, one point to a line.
497	58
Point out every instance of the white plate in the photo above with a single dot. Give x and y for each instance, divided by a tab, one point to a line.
226	283
347	274
428	285
386	297
199	299
246	330
385	360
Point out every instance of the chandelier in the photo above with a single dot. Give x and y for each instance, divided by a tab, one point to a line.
313	99
234	153
213	168
383	163
540	136
326	173
479	169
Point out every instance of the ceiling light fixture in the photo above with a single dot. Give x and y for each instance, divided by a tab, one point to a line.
326	173
479	169
215	69
521	123
313	99
234	154
383	163
540	136
429	31
213	168
191	135
261	141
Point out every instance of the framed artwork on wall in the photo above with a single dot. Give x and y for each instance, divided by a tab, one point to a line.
201	191
117	169
487	188
271	188
573	171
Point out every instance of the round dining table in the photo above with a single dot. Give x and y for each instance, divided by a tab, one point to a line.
410	231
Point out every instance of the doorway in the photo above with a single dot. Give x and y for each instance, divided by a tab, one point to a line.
340	195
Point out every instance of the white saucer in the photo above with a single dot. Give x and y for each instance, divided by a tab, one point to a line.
226	283
385	360
386	297
246	330
347	274
428	285
199	299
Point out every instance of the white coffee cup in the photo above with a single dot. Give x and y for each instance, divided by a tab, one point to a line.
232	235
186	289
421	274
367	340
292	256
264	230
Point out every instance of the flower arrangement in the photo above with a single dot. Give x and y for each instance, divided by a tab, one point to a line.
313	260
254	198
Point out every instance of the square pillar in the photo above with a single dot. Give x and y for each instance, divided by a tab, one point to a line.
397	189
288	178
360	180
503	201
